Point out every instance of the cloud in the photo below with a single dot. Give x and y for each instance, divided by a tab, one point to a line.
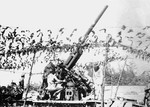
135	13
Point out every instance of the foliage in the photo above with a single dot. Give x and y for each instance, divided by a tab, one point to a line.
16	43
127	78
18	46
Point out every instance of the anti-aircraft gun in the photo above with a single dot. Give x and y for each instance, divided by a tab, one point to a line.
74	56
64	70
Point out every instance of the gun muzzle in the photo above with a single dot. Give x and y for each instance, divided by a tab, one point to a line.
93	25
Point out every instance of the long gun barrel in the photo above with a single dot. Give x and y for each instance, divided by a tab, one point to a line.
93	25
73	58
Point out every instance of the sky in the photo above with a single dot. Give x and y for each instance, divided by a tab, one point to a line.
70	14
34	14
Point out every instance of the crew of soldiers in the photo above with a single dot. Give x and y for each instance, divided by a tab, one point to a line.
56	79
52	84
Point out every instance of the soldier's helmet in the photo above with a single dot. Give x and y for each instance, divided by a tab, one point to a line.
50	68
13	83
23	75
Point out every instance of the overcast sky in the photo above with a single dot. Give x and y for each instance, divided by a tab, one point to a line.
54	14
73	13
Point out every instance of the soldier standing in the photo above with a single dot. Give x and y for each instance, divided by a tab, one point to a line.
21	82
147	96
97	77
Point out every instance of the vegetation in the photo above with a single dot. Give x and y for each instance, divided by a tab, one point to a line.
18	46
127	78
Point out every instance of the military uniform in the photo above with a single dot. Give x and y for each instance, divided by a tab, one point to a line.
147	96
21	82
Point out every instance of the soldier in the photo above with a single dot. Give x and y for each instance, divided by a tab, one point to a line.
49	69
48	82
97	80
21	82
147	96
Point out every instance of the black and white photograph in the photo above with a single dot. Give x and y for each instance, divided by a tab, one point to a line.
74	53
